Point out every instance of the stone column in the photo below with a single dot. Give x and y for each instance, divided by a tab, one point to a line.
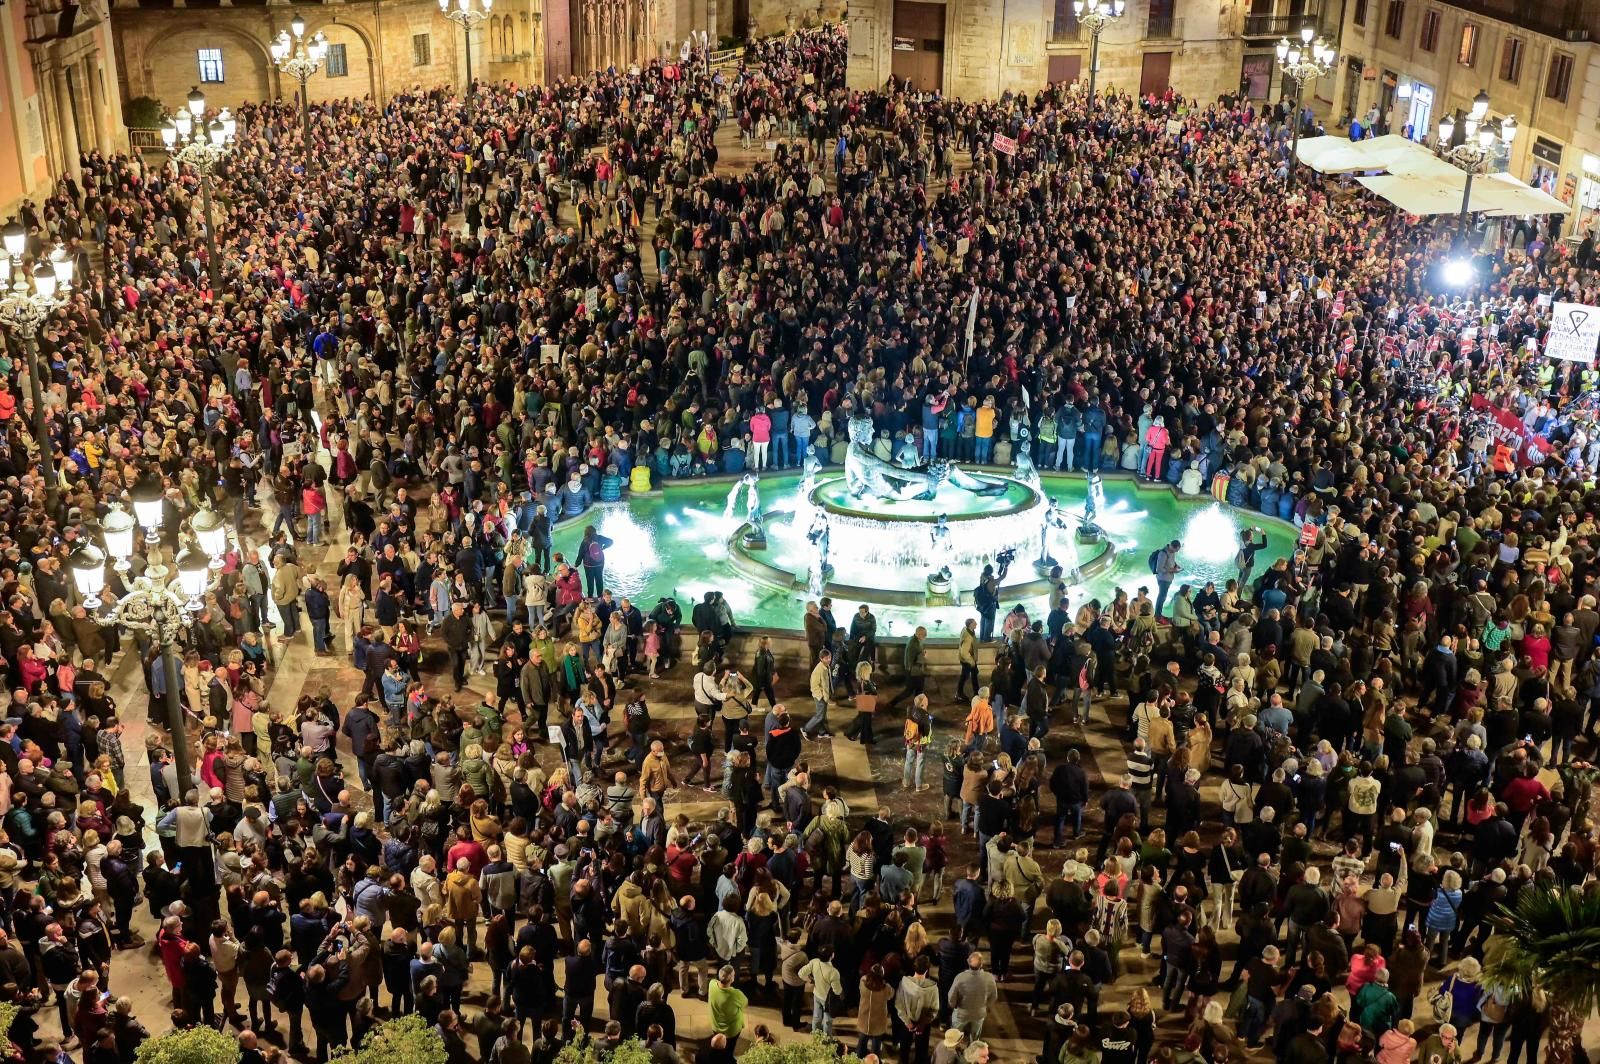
47	103
69	125
96	98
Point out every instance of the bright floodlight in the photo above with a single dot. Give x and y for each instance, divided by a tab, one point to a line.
1458	272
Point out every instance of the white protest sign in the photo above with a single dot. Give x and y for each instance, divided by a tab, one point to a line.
1574	333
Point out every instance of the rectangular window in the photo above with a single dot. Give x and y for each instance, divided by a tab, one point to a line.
1467	54
1361	13
337	64
1160	21
1511	60
1395	20
210	65
1428	39
1065	26
1559	83
421	49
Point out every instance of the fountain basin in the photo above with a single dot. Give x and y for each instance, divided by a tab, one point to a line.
677	541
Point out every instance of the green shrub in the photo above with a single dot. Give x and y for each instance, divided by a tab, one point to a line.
588	1051
197	1045
820	1049
406	1040
143	112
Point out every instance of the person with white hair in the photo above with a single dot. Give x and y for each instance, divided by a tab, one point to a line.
1422	834
1444	913
1306	905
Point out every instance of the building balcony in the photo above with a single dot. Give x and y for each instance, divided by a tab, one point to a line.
1561	19
1067	31
1272	27
1163	28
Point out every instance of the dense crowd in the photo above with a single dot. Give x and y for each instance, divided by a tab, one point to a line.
416	360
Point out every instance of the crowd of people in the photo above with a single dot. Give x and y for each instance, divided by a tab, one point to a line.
418	369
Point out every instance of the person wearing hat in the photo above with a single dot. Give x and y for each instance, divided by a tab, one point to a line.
949	1049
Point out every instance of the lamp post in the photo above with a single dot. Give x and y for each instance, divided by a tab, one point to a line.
1300	63
32	296
465	15
1473	154
1096	15
193	141
152	608
300	58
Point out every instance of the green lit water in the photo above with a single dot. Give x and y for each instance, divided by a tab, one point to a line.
675	543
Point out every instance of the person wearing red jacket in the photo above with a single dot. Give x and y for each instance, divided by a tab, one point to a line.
314	504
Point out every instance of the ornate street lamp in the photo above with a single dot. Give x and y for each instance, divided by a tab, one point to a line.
464	14
33	294
192	141
299	57
1096	15
1473	155
1307	61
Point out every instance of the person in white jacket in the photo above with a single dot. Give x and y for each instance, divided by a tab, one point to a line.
727	933
823	979
425	883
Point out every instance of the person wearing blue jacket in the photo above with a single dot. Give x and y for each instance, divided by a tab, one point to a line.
574	498
1094	428
1443	914
801	426
1069	422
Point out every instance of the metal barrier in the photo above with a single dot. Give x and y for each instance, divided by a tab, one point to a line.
145	140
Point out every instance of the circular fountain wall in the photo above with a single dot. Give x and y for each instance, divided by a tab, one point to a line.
916	551
682	541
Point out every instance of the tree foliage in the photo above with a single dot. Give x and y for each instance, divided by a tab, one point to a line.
197	1045
1553	944
404	1040
818	1049
587	1051
143	112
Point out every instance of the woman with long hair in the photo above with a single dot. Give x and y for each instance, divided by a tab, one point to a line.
872	1015
351	608
862	861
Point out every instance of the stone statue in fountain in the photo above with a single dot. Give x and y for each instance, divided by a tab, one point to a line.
1024	469
867	476
821	570
808	479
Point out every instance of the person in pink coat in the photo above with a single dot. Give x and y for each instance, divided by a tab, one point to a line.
760	439
1155	441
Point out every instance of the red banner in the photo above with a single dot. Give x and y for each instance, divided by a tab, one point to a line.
1004	144
1508	432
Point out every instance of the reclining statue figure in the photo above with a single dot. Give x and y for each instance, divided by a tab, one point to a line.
867	476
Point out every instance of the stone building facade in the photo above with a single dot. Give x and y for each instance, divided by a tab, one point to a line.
972	48
382	47
58	93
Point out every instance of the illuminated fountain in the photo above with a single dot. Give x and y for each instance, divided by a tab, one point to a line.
677	542
907	535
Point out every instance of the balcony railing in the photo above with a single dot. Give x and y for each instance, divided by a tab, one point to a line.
1278	25
1565	20
1069	32
1163	28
